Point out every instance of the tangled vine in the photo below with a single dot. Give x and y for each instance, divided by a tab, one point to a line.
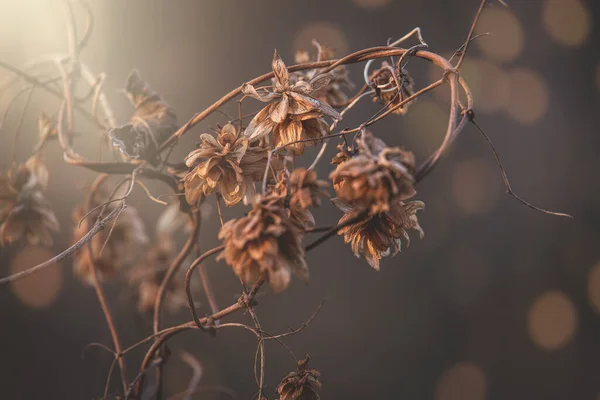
251	163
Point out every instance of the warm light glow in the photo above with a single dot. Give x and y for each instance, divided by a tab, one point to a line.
594	287
568	22
326	34
505	42
528	96
489	84
429	121
463	381
552	320
372	3
475	186
40	289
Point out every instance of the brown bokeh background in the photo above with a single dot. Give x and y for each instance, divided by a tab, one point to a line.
496	302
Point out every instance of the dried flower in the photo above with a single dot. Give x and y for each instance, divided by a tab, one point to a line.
300	385
386	90
375	175
153	122
229	166
25	211
380	235
125	244
146	278
305	191
332	93
294	113
266	243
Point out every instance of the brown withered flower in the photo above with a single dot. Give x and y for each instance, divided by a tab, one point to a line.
153	122
266	243
386	89
126	242
226	164
303	384
25	211
374	175
380	235
293	113
305	191
333	92
146	277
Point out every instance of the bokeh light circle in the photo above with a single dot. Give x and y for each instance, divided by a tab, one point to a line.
463	381
40	289
593	287
505	39
552	320
528	96
568	22
476	186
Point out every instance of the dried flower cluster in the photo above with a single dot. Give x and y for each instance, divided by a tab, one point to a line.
303	384
25	212
332	93
114	248
293	112
226	164
153	122
392	85
373	182
267	243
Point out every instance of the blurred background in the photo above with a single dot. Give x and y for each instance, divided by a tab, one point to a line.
496	302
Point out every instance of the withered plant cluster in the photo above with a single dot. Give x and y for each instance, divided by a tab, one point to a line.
247	162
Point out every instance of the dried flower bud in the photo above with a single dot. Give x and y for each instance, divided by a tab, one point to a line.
293	114
229	166
300	385
153	122
375	175
381	234
305	191
333	92
146	278
25	211
386	90
265	244
126	242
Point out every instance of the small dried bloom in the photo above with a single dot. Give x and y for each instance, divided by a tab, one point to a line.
227	164
332	93
293	113
146	278
305	191
382	234
374	176
386	90
265	244
153	122
126	242
25	211
303	384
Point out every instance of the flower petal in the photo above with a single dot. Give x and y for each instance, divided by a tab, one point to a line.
280	70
